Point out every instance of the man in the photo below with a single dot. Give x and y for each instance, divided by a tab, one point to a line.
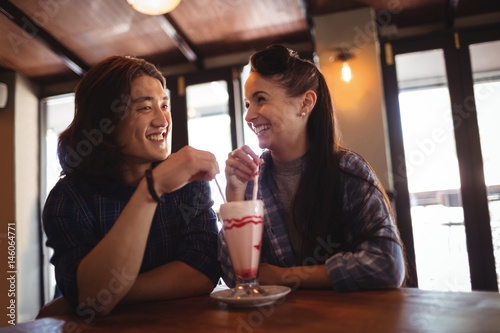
129	221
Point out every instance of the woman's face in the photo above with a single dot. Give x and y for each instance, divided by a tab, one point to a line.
144	132
275	117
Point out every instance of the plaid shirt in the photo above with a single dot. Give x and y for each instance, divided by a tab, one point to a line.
372	264
76	217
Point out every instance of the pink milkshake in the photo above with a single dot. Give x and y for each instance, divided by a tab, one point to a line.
242	227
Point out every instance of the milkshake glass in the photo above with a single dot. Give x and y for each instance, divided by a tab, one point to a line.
242	226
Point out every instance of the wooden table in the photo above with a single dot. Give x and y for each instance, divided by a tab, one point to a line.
386	311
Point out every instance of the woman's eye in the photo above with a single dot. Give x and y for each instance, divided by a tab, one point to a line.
247	105
260	99
164	107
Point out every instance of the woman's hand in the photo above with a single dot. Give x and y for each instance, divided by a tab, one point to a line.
242	165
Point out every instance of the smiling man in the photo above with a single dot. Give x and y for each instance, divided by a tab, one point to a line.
129	221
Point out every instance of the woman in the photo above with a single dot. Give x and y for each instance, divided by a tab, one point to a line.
121	230
328	222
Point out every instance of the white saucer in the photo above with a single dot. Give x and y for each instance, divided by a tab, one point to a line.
273	294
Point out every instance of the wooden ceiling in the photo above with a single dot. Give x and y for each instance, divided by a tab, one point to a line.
51	41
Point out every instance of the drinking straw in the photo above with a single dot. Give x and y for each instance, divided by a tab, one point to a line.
220	190
255	185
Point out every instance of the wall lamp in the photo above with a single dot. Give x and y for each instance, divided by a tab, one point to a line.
154	7
344	55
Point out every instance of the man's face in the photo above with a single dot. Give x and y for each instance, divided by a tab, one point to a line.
145	133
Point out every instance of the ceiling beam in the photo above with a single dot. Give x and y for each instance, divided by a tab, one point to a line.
23	21
451	12
311	30
173	31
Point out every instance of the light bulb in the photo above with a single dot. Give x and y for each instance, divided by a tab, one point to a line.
154	7
346	72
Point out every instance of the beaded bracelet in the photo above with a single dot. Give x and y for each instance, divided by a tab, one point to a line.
151	187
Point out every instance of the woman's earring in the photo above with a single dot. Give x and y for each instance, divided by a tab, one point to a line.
303	114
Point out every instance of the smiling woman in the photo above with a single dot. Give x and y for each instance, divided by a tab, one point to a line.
105	221
315	191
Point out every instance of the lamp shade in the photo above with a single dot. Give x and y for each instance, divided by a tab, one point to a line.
153	7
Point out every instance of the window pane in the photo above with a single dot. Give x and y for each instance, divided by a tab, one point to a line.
58	113
486	74
209	126
432	171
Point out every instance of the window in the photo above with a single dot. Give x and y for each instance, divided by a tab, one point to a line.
57	114
442	95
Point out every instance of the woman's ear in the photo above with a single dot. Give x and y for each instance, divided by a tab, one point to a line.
309	101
